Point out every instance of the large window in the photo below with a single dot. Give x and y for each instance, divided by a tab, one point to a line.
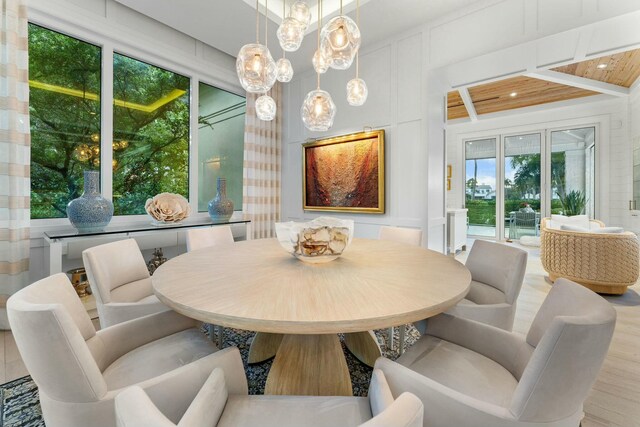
150	134
64	105
480	188
220	144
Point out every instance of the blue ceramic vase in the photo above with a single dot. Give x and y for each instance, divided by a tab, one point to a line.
90	212
221	208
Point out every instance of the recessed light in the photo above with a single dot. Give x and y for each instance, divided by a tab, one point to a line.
602	66
513	94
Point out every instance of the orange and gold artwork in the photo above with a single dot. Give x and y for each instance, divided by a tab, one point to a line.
347	175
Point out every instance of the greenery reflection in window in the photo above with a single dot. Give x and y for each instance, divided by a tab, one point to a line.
150	134
220	144
64	108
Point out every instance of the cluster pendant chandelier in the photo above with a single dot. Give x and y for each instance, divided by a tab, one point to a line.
338	42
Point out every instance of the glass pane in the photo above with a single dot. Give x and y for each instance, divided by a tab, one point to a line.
64	108
220	144
150	134
573	171
480	192
522	185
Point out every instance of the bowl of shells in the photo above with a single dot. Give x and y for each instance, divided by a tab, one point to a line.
321	240
167	209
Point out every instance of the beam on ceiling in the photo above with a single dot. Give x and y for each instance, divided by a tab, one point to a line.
579	82
468	104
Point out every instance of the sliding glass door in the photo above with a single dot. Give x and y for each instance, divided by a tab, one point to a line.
512	181
522	185
480	186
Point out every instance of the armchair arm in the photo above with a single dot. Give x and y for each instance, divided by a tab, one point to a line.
111	343
444	407
506	348
406	411
134	409
207	407
174	391
500	315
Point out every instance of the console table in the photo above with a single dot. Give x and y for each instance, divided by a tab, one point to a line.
58	238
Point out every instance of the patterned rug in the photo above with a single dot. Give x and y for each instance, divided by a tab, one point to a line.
20	407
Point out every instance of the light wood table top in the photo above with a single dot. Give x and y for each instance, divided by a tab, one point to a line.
256	285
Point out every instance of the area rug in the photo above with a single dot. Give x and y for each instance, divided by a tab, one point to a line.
20	407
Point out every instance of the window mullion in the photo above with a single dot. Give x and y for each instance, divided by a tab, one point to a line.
193	144
106	107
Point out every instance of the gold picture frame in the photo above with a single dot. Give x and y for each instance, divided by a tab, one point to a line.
344	173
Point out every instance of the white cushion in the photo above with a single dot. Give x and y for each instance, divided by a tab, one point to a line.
611	230
576	220
567	227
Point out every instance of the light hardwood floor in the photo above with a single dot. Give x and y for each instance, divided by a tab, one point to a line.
615	398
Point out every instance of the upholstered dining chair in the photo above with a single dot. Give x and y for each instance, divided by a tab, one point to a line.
469	374
410	236
497	274
79	371
223	402
120	282
198	238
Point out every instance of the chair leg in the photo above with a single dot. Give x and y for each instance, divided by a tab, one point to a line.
390	339
403	330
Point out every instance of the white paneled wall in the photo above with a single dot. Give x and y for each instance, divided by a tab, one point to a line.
626	155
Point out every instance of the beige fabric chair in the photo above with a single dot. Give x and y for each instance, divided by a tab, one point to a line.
223	402
120	282
469	374
603	262
198	238
497	273
79	371
410	236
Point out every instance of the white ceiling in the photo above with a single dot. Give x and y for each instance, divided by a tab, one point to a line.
229	24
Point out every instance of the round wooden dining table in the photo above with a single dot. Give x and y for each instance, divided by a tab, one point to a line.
298	308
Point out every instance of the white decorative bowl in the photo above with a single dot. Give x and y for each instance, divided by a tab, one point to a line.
167	208
321	240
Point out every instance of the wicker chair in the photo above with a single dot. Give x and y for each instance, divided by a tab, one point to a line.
604	262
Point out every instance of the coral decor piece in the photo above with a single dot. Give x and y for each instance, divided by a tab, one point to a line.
168	208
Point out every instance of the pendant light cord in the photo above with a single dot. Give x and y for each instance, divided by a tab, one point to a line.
266	22
358	25
257	21
340	7
319	26
284	13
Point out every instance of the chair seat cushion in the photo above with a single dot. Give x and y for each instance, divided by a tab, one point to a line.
132	291
461	369
157	357
294	411
481	293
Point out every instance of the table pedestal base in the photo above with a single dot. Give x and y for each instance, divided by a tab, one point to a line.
364	346
309	365
264	346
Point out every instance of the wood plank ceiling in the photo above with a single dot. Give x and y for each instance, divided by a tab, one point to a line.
621	69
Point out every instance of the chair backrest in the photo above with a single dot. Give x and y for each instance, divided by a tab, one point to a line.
405	411
51	326
115	265
571	334
499	266
199	238
410	236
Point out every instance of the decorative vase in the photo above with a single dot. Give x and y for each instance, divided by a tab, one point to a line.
221	208
91	211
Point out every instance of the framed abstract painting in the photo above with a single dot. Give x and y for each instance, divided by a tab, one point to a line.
344	173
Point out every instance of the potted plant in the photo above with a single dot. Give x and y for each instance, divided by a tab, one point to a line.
573	202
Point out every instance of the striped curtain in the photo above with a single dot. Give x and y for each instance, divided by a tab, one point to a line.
14	152
261	175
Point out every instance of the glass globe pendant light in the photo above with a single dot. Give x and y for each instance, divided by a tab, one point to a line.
319	61
318	110
255	66
340	41
291	31
357	91
301	13
285	70
266	108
